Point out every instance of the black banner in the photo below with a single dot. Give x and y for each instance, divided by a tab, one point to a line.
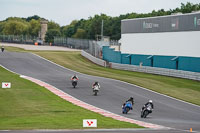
172	23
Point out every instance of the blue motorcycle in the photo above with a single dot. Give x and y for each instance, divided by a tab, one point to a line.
127	107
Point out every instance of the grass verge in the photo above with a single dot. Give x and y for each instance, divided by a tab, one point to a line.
184	89
29	106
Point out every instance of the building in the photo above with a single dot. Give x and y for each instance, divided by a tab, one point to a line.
43	30
173	35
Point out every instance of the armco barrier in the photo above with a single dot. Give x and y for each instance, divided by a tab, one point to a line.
145	69
159	71
93	59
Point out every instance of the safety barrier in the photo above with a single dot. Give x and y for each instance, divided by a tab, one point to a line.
93	59
159	71
145	69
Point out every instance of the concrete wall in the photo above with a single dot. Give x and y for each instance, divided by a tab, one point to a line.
181	63
159	71
146	69
110	55
164	62
140	60
93	59
189	64
125	59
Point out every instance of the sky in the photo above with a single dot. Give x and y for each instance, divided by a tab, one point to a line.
65	11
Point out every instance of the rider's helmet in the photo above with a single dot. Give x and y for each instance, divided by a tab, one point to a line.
131	98
150	101
96	82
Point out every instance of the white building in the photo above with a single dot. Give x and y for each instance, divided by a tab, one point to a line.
176	35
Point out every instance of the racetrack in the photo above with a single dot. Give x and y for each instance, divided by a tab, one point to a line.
168	112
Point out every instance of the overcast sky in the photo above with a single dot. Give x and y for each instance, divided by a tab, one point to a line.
64	11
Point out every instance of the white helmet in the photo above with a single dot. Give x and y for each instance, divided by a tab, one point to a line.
150	101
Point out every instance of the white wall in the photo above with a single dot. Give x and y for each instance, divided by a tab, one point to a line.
167	43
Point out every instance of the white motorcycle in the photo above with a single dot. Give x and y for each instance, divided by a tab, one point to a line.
74	82
96	89
146	111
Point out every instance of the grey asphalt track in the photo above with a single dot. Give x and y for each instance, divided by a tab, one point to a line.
168	112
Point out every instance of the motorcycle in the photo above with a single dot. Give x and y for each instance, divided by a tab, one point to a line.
2	49
74	82
96	89
126	107
146	111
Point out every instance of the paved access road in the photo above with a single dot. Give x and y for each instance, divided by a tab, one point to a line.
168	112
39	47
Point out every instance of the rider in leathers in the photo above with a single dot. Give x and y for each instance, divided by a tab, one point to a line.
74	77
96	83
150	102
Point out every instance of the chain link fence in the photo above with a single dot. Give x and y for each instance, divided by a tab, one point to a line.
22	39
90	46
71	42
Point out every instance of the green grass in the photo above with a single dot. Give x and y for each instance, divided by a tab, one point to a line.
29	106
14	49
184	89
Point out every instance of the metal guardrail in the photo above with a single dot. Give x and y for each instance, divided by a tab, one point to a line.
93	59
145	69
159	71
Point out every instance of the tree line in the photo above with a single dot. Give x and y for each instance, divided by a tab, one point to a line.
83	28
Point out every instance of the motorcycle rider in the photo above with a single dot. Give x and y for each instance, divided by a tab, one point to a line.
74	77
96	83
131	99
2	48
150	102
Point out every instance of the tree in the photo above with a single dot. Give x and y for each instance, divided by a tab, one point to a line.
35	17
15	28
2	24
34	27
53	25
49	37
189	7
80	33
70	30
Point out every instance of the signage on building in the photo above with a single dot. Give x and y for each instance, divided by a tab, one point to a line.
149	25
170	23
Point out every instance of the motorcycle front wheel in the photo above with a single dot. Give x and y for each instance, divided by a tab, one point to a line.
145	113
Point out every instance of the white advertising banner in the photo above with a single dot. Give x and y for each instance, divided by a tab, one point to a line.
6	85
89	123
